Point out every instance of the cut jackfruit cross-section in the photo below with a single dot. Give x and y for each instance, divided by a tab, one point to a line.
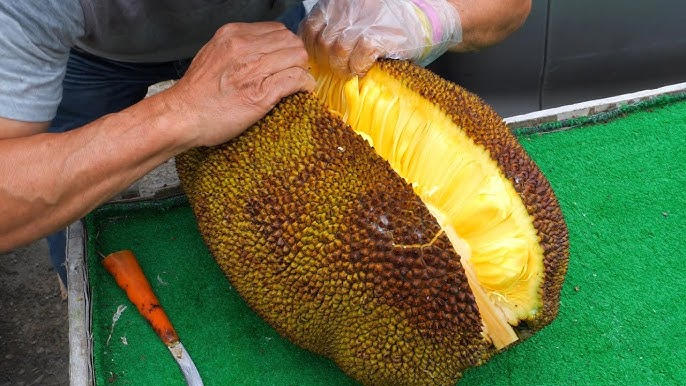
461	185
391	223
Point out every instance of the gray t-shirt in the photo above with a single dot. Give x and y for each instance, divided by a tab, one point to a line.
36	37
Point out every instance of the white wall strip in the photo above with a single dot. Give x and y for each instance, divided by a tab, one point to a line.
590	107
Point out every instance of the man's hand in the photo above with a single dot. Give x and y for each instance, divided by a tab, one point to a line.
237	77
349	35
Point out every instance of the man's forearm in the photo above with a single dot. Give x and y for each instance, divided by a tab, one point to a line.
49	180
487	22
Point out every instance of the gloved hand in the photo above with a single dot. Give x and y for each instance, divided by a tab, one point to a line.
349	35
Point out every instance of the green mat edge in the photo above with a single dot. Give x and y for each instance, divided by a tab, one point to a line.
145	203
605	116
117	208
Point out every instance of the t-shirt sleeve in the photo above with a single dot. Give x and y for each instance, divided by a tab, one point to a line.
35	39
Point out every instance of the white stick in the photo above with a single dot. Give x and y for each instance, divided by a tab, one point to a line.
190	372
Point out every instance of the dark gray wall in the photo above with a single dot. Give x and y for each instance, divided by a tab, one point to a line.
573	51
598	49
508	75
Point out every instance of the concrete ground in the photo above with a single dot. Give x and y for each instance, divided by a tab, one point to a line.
34	344
33	324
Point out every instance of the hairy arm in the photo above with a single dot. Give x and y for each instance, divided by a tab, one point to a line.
487	22
49	180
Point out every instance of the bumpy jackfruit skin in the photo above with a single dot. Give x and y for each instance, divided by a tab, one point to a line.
335	250
486	128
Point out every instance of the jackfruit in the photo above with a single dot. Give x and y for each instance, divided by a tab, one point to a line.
391	223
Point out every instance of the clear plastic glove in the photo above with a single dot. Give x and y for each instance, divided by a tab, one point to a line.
349	35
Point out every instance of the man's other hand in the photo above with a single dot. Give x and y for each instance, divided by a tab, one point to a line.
237	77
349	35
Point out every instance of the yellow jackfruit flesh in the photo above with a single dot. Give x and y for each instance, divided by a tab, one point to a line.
458	181
412	244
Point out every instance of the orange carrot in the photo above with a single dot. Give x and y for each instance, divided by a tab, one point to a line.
128	274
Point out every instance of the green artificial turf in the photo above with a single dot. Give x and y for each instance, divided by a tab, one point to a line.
621	185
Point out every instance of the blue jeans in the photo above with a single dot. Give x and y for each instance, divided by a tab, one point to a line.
95	86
